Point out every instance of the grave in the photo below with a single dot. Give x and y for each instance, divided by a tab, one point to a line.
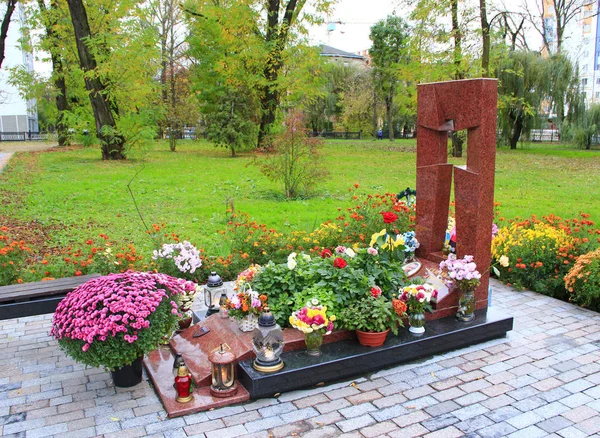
456	105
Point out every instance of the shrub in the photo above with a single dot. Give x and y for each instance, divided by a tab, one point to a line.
294	159
583	281
113	320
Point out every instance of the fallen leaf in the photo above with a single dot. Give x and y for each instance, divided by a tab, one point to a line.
114	419
319	423
411	407
320	384
211	409
277	395
432	375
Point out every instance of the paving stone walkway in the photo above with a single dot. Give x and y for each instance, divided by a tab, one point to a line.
541	380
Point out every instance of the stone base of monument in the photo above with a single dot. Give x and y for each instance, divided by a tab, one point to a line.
342	357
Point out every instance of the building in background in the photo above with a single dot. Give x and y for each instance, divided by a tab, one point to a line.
17	115
344	58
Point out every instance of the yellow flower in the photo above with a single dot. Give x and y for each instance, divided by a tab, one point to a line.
375	236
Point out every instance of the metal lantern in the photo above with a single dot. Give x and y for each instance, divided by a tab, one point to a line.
267	343
222	364
212	293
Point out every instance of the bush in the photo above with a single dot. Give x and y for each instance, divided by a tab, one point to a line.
583	281
12	259
293	160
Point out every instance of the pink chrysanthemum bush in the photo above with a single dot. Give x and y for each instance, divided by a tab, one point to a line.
111	321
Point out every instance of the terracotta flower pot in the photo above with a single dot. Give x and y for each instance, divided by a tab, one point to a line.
372	339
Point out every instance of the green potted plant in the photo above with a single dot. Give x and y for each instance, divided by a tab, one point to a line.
373	316
113	321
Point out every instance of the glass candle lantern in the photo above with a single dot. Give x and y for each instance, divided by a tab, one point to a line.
213	290
183	385
267	343
222	364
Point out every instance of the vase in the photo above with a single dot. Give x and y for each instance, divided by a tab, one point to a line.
313	341
466	306
248	322
416	321
128	375
371	339
185	321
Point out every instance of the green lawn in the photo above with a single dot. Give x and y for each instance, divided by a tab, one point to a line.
188	190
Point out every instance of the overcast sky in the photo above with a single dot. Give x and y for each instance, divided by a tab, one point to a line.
357	17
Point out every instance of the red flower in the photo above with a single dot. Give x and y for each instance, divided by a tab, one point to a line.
376	291
339	263
389	217
326	253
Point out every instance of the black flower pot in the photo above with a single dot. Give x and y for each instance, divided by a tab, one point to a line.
128	375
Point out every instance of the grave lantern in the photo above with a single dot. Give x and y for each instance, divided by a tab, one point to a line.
222	363
213	290
267	343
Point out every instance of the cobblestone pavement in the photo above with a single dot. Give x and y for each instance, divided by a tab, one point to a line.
541	380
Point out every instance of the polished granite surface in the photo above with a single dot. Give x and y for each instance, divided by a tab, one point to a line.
347	358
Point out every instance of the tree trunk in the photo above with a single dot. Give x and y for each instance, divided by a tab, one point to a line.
389	101
10	8
374	112
62	104
517	129
457	145
485	37
457	142
113	143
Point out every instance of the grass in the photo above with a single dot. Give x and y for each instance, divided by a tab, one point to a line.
189	190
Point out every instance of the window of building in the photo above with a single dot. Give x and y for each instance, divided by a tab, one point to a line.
598	95
584	82
598	81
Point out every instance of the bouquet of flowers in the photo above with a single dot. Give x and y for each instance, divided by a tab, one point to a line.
180	259
312	317
245	277
392	244
246	302
113	320
462	272
418	297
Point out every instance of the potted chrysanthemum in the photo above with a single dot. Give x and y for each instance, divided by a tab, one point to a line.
314	322
113	321
372	317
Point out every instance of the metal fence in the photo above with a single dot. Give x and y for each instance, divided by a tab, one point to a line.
26	136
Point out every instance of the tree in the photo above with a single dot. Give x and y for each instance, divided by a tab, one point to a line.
564	87
523	84
10	8
167	17
564	12
50	18
283	17
389	50
589	128
112	142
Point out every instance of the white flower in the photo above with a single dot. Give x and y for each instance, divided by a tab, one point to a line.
504	261
291	264
349	252
292	256
306	257
315	302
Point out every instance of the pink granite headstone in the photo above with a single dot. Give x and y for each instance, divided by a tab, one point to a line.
454	106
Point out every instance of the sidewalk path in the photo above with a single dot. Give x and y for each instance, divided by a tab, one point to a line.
4	158
541	380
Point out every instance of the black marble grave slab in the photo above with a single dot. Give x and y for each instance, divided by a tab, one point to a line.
348	358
